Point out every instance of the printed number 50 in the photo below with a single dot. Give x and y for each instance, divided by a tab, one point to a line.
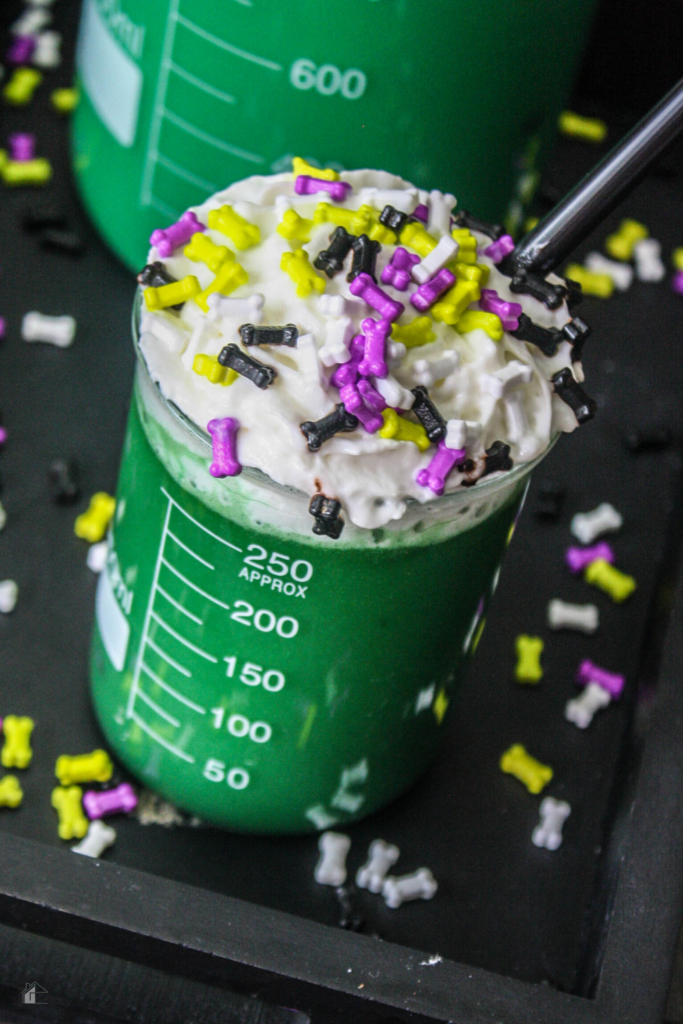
215	771
327	79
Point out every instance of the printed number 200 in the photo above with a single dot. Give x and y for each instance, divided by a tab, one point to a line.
264	620
327	79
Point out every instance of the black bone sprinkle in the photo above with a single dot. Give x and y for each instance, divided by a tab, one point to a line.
331	260
545	338
497	458
549	500
525	282
365	253
155	275
326	512
428	415
317	432
258	373
576	331
349	918
63	476
571	392
644	439
252	335
463	219
574	292
393	219
548	338
43	215
62	240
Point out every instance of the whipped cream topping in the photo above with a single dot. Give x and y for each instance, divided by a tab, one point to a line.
487	390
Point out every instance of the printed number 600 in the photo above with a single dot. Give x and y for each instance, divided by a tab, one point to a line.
327	79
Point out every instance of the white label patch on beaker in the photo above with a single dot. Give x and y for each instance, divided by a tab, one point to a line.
112	623
111	79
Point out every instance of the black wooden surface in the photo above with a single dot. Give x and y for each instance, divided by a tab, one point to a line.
503	905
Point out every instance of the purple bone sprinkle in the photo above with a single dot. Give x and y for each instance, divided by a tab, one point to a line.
353	403
307	186
397	273
224	438
427	294
435	474
421	212
168	239
362	400
498	250
363	287
120	800
371	397
509	312
3	326
3	435
589	672
22	146
578	558
370	420
351	397
677	282
374	360
21	50
347	373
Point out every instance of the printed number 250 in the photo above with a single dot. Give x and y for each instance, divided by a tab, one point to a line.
264	620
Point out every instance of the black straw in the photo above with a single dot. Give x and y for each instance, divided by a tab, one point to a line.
589	202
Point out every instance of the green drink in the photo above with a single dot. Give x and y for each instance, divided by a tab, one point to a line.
180	97
266	679
262	666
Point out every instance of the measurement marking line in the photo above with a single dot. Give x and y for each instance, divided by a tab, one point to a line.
200	83
182	172
148	611
180	608
201	527
223	45
162	207
181	639
146	191
160	739
194	586
212	140
169	533
155	707
166	657
169	689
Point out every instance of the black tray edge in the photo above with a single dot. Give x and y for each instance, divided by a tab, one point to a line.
215	939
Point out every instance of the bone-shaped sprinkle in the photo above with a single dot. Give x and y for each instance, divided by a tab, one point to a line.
224	442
